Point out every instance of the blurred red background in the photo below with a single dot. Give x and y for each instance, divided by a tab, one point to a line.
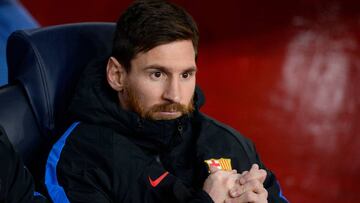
284	73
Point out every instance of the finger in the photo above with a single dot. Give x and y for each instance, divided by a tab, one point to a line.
242	179
231	200
236	191
259	174
254	167
263	175
213	169
264	193
251	192
254	186
232	181
237	182
245	197
232	172
250	174
262	197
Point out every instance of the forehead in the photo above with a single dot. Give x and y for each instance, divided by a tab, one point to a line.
175	55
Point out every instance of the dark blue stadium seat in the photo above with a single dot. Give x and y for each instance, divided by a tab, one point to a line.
44	67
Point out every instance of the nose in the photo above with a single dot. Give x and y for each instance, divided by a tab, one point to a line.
172	91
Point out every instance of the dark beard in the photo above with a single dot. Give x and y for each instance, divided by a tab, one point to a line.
134	104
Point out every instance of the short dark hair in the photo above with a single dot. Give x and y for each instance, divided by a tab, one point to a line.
150	23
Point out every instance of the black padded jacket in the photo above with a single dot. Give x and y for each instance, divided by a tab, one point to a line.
112	155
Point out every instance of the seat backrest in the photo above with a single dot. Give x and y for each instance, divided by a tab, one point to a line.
47	62
18	121
44	67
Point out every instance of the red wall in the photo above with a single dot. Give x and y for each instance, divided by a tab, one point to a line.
284	73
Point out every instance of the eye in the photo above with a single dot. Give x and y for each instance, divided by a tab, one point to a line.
186	75
156	75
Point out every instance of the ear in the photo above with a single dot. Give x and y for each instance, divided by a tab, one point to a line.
115	74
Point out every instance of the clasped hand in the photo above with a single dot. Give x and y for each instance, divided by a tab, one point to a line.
232	187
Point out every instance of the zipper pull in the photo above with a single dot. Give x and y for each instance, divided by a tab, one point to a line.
180	129
139	123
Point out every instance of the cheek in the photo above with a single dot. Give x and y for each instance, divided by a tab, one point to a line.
188	92
147	93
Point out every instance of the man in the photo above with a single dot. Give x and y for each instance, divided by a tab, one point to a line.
138	134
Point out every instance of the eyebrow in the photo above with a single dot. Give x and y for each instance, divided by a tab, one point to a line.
165	70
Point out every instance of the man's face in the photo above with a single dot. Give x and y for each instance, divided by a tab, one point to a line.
161	82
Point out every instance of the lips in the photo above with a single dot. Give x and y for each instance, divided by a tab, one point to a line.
169	112
165	115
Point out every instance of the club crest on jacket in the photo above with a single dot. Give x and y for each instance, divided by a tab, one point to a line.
222	164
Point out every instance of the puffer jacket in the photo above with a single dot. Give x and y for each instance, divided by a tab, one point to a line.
112	155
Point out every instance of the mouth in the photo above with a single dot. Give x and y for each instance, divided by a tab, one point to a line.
166	115
169	112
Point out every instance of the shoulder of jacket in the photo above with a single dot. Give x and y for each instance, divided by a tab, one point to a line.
109	137
223	127
228	131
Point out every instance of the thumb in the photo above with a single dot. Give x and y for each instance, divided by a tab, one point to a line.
230	200
213	169
254	167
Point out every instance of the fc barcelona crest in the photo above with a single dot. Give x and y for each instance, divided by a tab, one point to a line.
222	164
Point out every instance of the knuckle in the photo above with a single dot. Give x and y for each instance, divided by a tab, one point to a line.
255	184
250	196
265	194
258	185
